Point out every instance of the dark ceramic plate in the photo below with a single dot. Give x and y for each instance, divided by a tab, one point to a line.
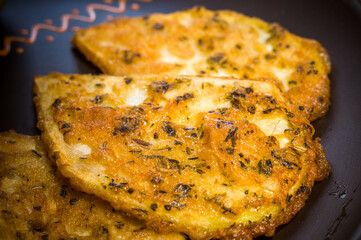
333	210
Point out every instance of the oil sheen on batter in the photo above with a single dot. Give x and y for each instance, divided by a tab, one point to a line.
38	203
210	157
212	43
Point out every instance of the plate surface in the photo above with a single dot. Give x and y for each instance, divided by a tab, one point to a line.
333	209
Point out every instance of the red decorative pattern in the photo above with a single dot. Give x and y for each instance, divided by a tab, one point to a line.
64	24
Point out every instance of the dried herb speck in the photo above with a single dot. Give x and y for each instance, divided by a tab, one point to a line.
231	134
119	225
72	201
36	153
128	80
228	210
98	99
141	142
158	26
117	185
56	102
37	208
169	130
64	191
249	90
242	165
154	206
182	188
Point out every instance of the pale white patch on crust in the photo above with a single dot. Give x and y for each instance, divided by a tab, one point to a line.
10	185
207	103
167	57
78	232
185	20
283	75
82	149
136	96
263	36
273	126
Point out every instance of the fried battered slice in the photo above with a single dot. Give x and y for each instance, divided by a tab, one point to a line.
212	43
210	157
38	203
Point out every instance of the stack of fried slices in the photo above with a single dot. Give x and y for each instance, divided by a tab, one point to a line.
200	130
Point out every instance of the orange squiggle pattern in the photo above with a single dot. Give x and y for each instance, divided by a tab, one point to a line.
64	24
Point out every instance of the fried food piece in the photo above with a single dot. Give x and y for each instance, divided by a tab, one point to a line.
38	203
212	43
210	157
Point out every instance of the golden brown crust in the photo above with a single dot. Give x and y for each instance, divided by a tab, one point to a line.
211	157
213	43
323	166
38	203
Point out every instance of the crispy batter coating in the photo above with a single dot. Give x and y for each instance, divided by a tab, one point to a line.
212	43
38	203
210	157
